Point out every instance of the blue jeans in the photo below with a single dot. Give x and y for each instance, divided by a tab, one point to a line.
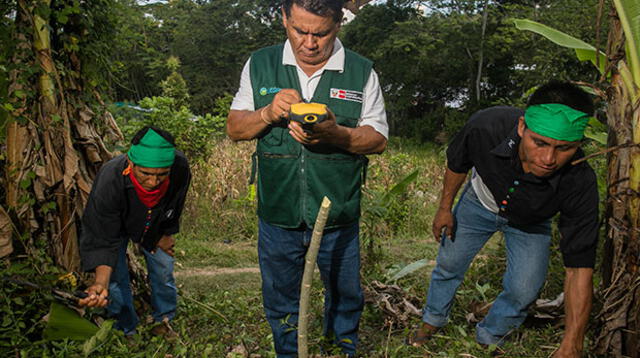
281	254
527	261
163	289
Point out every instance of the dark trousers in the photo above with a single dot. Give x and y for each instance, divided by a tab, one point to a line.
281	253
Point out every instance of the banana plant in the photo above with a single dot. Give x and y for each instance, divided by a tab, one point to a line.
584	51
629	14
621	69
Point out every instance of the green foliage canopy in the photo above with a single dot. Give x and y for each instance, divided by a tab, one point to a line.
427	56
426	53
212	39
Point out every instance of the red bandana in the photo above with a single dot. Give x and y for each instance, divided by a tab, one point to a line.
148	198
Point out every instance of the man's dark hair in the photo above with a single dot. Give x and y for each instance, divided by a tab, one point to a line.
563	93
164	134
324	8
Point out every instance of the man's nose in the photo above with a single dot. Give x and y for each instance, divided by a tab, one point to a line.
154	180
549	156
310	41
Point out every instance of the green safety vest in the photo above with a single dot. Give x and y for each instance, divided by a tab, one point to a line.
292	178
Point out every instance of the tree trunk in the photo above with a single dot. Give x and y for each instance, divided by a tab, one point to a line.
53	146
621	281
485	15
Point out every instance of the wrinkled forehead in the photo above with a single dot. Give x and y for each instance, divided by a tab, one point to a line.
153	171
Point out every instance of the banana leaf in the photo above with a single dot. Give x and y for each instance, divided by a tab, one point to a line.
629	14
584	51
596	131
67	323
97	339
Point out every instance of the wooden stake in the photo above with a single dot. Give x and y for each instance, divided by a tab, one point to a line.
307	277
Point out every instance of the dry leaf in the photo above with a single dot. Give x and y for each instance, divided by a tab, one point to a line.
6	246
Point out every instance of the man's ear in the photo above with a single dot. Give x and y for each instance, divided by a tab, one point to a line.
521	126
284	17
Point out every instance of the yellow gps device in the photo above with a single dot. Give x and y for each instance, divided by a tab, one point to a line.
308	113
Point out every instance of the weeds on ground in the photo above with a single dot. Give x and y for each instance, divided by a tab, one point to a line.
397	238
224	311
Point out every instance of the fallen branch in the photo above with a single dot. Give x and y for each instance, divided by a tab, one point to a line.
397	306
605	151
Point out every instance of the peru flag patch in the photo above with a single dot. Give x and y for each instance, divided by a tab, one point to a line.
346	95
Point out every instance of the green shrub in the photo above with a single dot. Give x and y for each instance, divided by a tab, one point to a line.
193	133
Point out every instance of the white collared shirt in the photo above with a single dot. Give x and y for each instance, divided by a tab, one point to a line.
372	114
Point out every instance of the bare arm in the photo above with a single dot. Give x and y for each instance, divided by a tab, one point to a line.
247	125
578	292
444	218
359	140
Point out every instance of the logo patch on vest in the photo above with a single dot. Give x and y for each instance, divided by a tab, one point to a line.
271	90
347	95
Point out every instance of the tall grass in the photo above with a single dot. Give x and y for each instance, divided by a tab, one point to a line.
221	204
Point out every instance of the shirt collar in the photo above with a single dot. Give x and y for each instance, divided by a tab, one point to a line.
508	148
335	62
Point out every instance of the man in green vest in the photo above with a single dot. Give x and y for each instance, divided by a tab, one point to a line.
297	168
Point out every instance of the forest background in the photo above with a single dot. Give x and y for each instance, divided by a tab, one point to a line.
176	64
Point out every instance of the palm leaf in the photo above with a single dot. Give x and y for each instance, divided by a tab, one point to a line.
584	51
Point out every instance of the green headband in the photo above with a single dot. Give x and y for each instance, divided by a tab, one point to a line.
152	151
556	121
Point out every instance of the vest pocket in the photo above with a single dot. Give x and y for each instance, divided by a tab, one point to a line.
338	178
347	114
279	189
273	137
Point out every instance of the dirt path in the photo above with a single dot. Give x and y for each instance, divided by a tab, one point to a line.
215	272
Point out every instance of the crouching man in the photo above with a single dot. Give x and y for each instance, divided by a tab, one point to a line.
136	196
522	175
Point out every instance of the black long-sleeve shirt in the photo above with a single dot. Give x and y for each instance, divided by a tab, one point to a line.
115	213
489	142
